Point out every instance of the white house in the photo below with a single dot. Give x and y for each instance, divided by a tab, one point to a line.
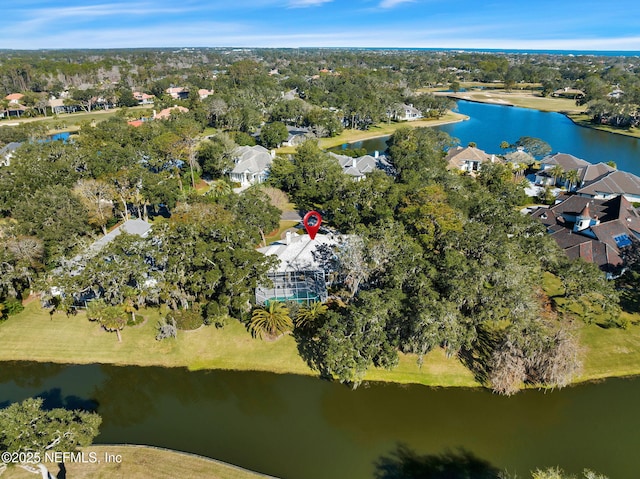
563	160
408	113
252	165
301	272
358	168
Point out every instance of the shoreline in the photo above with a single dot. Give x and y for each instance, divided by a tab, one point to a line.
570	114
363	135
76	341
139	461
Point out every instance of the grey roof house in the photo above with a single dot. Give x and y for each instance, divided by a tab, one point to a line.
612	184
252	165
358	168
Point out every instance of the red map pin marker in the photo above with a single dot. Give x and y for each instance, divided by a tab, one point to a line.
312	222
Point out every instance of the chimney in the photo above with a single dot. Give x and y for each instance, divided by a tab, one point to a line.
376	154
154	114
288	238
273	153
354	162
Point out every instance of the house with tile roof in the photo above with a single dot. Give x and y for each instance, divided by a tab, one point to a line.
167	112
144	98
14	98
177	92
204	93
358	168
592	229
468	159
612	184
252	165
302	272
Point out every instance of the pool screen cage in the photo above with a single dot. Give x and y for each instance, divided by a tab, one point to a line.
304	287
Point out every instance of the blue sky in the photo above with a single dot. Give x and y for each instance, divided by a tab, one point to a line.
543	24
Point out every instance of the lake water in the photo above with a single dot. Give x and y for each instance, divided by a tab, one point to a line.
489	125
297	427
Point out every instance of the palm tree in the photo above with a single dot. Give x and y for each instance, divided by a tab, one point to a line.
270	322
572	178
113	319
219	188
557	172
309	314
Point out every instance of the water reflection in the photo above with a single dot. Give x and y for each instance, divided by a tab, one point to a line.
404	463
327	430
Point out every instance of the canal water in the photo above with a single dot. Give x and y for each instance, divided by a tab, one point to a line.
297	427
490	125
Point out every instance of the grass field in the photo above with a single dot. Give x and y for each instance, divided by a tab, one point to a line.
35	336
524	99
583	120
142	462
72	121
76	340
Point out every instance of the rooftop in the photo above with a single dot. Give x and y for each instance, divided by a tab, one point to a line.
299	252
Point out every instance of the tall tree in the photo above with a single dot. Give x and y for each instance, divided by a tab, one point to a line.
30	431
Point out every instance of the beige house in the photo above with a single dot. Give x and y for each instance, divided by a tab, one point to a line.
468	159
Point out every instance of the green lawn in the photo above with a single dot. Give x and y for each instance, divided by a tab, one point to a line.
384	129
35	336
140	462
276	235
583	120
72	121
524	99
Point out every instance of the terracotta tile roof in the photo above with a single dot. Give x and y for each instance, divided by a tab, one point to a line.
166	113
14	97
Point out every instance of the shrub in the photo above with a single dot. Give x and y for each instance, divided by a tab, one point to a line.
186	319
12	306
215	314
166	329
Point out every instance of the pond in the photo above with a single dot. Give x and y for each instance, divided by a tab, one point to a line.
301	427
489	125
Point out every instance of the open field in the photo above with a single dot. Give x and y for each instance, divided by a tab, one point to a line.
141	462
582	119
524	99
34	335
72	121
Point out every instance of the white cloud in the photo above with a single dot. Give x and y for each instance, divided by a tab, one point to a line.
393	3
